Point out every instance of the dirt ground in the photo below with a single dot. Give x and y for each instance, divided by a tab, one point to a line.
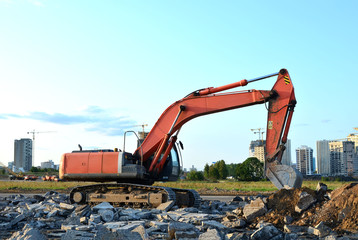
340	212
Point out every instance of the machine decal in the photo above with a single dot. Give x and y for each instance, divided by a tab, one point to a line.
287	80
270	125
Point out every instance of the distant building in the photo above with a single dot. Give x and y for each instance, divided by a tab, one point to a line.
48	164
342	158
304	160
192	168
10	165
323	158
286	157
257	149
23	154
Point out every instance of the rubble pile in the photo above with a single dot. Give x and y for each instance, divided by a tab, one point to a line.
286	214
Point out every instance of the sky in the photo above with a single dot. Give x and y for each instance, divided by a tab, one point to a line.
84	72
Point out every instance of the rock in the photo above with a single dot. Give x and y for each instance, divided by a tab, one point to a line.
255	209
163	227
141	231
83	211
102	206
178	226
95	218
267	232
237	236
106	215
17	219
288	219
29	233
68	227
320	230
294	228
67	206
211	234
186	235
321	188
291	236
213	224
166	206
305	201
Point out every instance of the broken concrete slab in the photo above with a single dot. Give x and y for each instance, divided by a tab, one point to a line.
211	234
304	202
255	209
267	232
166	206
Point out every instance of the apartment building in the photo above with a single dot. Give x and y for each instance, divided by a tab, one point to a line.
23	154
304	160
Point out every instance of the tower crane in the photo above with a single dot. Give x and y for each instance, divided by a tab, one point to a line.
142	125
258	130
33	132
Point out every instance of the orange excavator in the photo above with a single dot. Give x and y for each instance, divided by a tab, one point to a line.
157	156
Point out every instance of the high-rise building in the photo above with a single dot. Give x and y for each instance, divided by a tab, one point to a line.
286	157
342	158
323	158
304	160
23	154
257	149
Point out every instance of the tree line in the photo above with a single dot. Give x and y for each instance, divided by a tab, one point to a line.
250	170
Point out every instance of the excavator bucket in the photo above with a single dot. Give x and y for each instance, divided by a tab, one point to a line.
283	176
280	112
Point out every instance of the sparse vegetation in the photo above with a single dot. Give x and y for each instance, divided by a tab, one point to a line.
241	186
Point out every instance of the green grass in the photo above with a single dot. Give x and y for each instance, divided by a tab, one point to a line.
262	186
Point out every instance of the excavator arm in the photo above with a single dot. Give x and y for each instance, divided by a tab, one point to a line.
281	101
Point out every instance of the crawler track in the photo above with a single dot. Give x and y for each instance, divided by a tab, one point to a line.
133	195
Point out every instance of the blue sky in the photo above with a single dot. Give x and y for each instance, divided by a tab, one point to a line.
89	70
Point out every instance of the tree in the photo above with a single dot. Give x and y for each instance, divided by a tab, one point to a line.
34	169
206	171
231	168
213	173
222	169
195	176
250	170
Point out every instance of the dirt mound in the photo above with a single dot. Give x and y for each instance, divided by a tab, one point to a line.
341	212
283	204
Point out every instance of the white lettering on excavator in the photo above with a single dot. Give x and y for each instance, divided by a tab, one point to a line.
270	125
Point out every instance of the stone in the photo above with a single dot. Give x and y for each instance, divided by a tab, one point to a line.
162	226
305	201
320	230
186	235
213	224
255	209
112	226
17	219
166	206
67	206
95	218
267	232
211	234
83	211
288	219
237	236
291	236
178	226
141	231
68	227
103	206
106	215
294	228
32	234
